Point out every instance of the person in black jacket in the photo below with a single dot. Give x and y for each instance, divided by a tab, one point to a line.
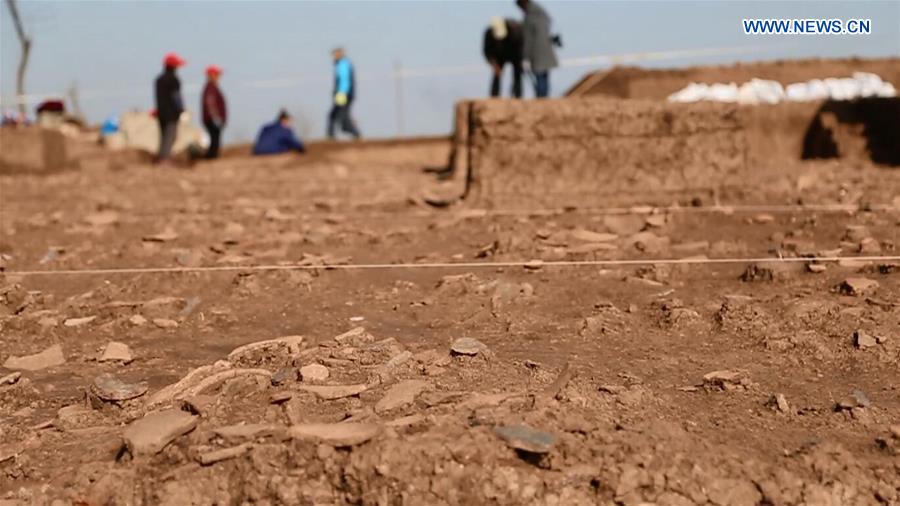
503	43
169	105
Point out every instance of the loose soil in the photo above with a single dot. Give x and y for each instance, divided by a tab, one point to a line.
724	384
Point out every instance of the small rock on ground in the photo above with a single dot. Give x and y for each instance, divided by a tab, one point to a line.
152	433
467	346
401	394
525	438
50	357
117	352
313	373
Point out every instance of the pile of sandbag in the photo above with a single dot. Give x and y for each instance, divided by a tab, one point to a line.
762	91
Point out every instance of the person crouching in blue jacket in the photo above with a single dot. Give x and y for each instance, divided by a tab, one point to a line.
278	137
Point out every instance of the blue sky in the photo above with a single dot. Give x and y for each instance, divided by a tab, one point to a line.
276	54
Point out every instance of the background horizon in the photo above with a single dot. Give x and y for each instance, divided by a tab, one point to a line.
276	54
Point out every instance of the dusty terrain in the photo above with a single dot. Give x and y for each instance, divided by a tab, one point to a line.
736	383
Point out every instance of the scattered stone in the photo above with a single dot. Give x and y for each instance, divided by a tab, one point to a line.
467	346
281	397
770	271
855	233
77	322
355	337
725	380
852	263
336	434
400	395
211	457
656	220
117	352
590	247
10	379
816	268
199	405
648	242
581	234
406	421
779	402
869	246
112	389
165	236
102	218
863	340
858	399
150	434
284	375
314	373
163	307
858	286
165	323
762	219
292	343
330	393
50	357
249	431
624	225
137	320
398	359
524	438
534	265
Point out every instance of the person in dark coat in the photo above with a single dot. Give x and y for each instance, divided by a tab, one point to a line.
342	96
169	105
502	45
278	137
214	110
538	45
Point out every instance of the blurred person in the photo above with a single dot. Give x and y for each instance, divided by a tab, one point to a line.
538	45
278	137
502	45
169	105
215	112
344	92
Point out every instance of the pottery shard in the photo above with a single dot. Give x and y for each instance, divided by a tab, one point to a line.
336	434
152	433
50	357
401	394
527	439
110	388
467	346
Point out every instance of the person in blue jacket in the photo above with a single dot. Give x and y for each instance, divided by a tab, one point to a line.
278	137
342	96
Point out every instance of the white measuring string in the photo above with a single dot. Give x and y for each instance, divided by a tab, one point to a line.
454	265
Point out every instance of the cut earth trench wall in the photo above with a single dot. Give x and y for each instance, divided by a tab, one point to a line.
599	151
585	152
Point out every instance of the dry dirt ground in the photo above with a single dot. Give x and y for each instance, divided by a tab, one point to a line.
727	384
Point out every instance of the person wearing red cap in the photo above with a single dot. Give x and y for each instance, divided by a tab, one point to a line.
169	105
214	110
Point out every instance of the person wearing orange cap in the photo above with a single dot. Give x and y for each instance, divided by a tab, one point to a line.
169	105
214	110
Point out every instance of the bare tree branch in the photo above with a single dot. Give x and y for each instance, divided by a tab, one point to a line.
25	41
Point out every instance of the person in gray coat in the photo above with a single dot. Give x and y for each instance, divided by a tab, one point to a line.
538	45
